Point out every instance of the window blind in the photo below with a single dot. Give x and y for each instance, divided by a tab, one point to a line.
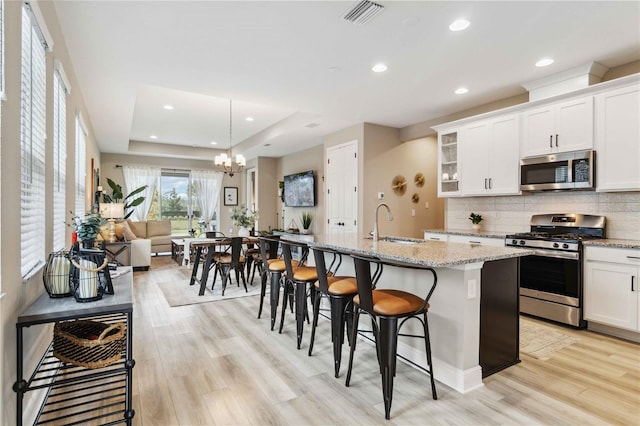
59	160
81	173
32	144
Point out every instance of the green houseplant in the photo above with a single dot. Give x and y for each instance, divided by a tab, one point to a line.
129	201
88	226
475	220
306	222
244	219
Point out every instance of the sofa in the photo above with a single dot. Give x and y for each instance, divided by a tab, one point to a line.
158	232
153	236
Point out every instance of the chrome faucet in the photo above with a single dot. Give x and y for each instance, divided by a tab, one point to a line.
375	220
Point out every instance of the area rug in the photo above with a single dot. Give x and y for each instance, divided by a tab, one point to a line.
180	293
541	342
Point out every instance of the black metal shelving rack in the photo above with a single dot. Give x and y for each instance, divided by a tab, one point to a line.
77	395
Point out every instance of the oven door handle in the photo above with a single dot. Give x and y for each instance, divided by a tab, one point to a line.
557	254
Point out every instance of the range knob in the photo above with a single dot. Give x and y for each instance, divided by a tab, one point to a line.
565	246
522	242
514	242
556	245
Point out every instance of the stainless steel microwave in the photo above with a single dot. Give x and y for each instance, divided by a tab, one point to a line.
565	171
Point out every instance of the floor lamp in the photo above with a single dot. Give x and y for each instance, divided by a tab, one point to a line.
112	211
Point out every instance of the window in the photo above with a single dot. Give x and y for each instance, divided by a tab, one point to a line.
32	143
60	91
81	166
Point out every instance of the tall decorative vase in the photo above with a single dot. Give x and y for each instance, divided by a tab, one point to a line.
475	227
243	232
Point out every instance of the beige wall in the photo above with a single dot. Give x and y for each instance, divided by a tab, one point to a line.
18	294
309	159
268	200
381	157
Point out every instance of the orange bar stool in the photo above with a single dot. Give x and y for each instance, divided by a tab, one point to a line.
297	279
340	290
386	307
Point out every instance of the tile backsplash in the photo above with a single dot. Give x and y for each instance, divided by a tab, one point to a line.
512	213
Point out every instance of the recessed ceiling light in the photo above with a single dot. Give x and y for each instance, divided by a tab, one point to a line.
459	25
379	67
461	90
214	143
168	107
544	62
153	137
267	144
249	118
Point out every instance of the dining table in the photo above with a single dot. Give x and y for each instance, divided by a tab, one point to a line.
212	246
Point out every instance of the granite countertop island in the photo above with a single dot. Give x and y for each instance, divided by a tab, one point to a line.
455	316
435	254
615	243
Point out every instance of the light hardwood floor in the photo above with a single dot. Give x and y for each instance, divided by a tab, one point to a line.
216	363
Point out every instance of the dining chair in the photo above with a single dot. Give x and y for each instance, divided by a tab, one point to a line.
235	262
386	307
340	291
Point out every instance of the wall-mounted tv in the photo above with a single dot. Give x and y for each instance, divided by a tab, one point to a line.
300	190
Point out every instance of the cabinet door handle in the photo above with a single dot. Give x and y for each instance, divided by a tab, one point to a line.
550	141
434	239
489	183
475	242
633	257
556	141
632	286
485	183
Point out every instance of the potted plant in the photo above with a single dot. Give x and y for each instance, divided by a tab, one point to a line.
475	220
243	219
306	222
117	197
87	227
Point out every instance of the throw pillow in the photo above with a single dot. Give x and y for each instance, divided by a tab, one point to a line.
124	232
104	232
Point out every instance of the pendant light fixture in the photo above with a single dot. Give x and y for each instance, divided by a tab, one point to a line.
224	162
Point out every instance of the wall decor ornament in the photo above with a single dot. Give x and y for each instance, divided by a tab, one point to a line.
230	195
415	198
418	179
399	185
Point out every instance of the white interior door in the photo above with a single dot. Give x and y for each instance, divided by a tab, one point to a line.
342	188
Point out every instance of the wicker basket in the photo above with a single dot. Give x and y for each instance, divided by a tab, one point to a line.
88	344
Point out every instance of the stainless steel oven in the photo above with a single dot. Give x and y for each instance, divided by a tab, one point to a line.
551	279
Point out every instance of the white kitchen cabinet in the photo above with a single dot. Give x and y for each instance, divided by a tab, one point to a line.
489	152
480	241
558	127
611	294
448	171
434	236
617	140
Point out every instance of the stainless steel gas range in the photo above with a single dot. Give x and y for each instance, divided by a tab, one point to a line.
551	279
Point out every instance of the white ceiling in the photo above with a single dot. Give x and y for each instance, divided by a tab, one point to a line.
292	64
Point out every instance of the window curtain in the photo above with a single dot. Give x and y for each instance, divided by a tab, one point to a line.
134	178
207	185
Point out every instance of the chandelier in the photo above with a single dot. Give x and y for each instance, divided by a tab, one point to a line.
224	161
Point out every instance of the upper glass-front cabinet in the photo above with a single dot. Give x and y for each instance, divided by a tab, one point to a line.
448	184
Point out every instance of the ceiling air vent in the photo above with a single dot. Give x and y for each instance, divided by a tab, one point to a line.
363	12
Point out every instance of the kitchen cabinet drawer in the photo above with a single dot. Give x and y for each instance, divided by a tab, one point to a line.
433	236
613	254
482	241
